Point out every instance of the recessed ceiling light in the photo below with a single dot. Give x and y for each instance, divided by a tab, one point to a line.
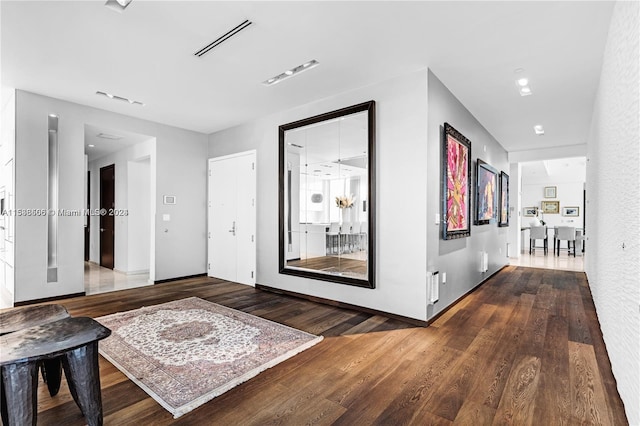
119	98
522	81
290	73
108	136
538	129
525	91
91	145
117	5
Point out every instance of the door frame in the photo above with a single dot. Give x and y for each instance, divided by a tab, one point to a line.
253	223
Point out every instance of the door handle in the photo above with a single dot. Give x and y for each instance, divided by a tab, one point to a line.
233	229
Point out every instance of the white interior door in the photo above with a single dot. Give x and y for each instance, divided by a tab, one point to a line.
232	218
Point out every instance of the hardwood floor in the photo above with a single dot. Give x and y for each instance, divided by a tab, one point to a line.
523	349
333	264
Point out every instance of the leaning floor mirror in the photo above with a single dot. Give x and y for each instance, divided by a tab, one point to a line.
327	196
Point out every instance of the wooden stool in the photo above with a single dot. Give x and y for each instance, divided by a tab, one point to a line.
16	319
75	342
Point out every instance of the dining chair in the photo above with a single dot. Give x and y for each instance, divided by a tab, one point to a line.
333	238
538	233
567	233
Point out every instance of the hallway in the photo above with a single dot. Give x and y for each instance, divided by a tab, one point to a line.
563	262
101	280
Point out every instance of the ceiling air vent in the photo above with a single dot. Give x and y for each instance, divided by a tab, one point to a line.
223	38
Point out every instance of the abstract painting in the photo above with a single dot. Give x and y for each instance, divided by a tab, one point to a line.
456	184
503	220
486	194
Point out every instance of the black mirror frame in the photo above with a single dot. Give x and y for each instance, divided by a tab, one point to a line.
369	282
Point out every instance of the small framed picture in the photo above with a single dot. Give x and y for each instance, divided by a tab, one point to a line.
486	194
503	207
530	211
551	207
571	211
550	192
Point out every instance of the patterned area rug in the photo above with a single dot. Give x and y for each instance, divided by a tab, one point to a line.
187	352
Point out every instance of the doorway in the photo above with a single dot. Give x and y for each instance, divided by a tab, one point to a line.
107	222
232	218
120	168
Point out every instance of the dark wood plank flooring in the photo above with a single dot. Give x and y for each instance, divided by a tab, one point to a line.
333	264
525	348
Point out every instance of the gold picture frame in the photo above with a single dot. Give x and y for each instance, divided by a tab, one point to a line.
550	207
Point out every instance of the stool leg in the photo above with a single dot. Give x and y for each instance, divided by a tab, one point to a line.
20	393
52	374
3	402
81	369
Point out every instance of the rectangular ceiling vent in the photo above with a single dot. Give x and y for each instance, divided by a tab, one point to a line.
223	38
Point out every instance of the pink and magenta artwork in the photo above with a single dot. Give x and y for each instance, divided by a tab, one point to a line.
457	185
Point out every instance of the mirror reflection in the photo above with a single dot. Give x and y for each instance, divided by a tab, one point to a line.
326	183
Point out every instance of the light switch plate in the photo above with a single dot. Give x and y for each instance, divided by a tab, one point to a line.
166	218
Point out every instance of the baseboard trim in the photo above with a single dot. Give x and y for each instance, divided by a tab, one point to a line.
338	304
138	272
186	277
49	299
474	288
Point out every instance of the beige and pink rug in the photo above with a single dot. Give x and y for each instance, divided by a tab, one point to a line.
187	352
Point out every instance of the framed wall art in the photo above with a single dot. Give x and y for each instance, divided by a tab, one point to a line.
486	193
551	207
571	211
530	211
456	184
503	217
550	192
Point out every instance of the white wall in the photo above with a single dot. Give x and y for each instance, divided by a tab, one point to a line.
408	150
515	211
125	230
459	258
139	216
569	194
401	231
613	203
180	171
7	188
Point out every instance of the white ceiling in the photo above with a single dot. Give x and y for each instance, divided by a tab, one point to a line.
100	141
557	170
70	50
